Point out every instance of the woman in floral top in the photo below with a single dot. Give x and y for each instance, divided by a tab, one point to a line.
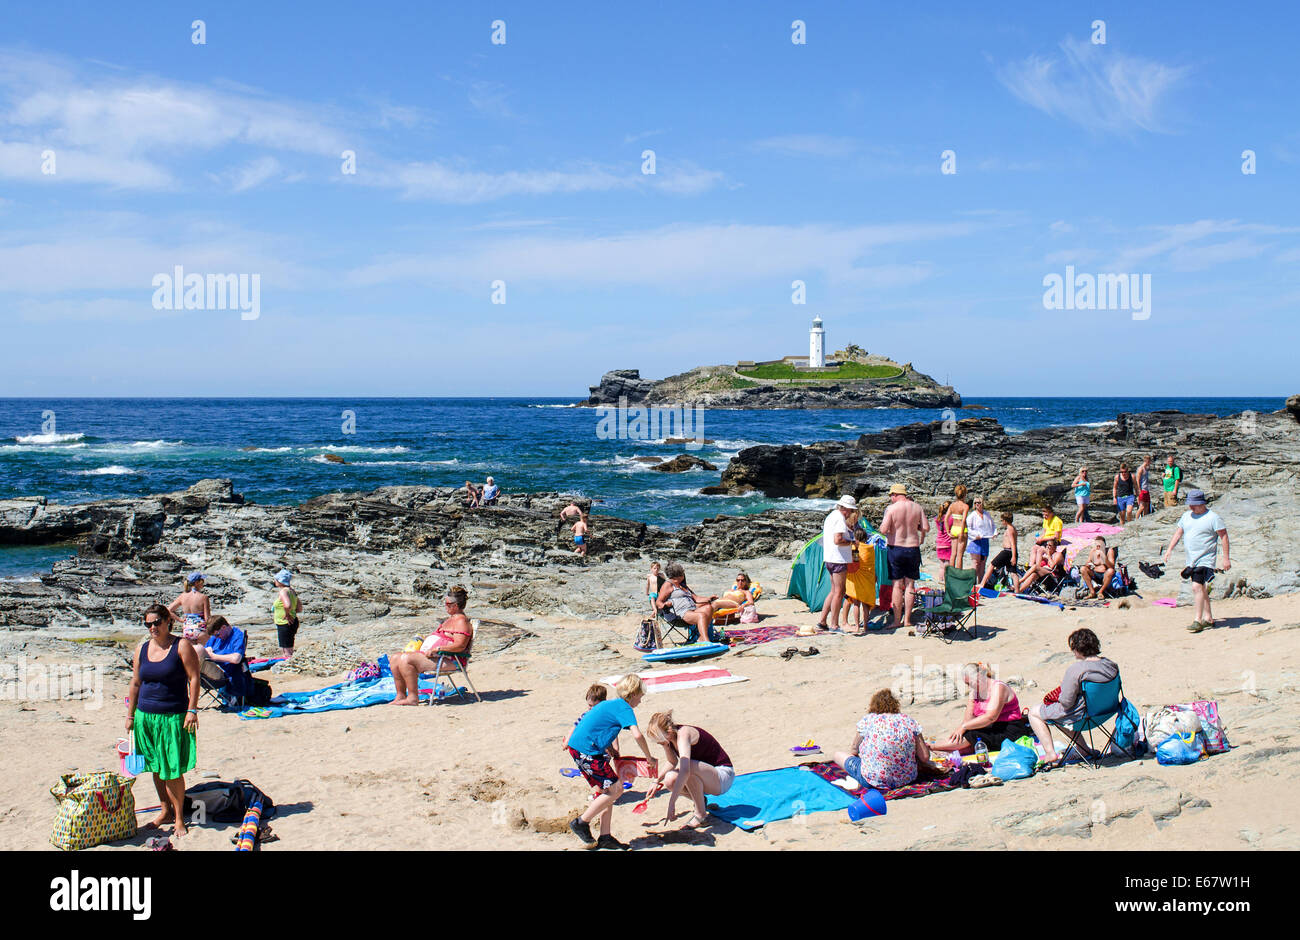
887	746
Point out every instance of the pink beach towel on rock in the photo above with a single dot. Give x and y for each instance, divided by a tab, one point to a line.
1079	536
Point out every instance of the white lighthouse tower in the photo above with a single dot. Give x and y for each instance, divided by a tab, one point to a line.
817	345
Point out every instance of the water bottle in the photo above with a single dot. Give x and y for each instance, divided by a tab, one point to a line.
981	752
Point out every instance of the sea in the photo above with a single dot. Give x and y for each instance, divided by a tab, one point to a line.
80	449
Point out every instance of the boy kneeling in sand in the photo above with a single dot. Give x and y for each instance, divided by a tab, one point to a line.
591	747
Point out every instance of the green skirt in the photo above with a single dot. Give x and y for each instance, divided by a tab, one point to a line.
167	748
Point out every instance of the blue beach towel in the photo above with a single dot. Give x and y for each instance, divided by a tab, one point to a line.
335	697
766	796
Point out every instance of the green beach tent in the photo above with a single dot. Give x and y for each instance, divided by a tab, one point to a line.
808	579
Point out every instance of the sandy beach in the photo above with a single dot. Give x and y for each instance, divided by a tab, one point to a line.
485	775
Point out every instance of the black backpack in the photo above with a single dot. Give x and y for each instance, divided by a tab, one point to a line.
226	802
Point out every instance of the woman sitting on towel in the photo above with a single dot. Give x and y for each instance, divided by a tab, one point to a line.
993	713
1068	708
452	636
887	747
686	605
696	763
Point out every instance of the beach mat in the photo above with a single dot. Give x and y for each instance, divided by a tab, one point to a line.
345	695
761	635
684	677
756	799
257	665
831	772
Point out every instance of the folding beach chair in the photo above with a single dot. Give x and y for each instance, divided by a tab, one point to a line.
956	610
1101	703
448	664
675	629
214	685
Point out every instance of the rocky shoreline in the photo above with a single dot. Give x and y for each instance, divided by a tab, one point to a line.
360	556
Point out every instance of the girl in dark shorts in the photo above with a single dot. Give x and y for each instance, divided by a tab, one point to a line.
993	714
1007	558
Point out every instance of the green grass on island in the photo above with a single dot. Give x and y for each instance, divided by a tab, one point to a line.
848	371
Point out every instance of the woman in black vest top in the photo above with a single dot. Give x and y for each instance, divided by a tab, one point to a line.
162	712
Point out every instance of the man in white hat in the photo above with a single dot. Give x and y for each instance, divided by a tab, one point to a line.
904	528
837	553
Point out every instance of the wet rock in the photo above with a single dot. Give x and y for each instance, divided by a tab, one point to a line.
681	463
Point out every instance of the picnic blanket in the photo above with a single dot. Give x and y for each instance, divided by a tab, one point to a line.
345	695
831	772
760	635
756	799
1080	537
683	677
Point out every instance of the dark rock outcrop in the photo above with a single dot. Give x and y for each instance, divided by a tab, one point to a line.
620	384
681	463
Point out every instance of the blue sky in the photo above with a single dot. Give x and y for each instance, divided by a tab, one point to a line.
522	163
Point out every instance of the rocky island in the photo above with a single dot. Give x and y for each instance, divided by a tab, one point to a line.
850	378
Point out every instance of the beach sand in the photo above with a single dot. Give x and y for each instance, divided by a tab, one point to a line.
486	775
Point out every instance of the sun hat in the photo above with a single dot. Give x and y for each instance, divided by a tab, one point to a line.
284	577
1195	498
898	489
194	576
847	502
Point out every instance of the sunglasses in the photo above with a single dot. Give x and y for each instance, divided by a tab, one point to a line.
152	623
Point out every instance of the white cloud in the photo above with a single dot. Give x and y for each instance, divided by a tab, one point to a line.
1095	87
253	174
683	256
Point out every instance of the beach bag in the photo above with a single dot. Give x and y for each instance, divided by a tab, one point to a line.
1014	761
261	694
645	637
1180	749
1166	721
1211	726
363	672
93	808
749	614
1128	730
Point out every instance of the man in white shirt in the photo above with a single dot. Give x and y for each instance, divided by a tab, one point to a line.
837	554
1202	531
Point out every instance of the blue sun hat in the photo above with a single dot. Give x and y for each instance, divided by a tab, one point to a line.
284	577
194	576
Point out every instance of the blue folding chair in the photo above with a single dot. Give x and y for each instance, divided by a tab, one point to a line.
1101	703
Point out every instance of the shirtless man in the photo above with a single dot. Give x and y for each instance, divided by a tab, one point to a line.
1101	560
904	528
571	511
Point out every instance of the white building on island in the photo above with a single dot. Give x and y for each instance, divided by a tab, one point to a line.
817	345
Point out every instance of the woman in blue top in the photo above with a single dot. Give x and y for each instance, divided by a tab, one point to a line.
1082	494
162	711
590	746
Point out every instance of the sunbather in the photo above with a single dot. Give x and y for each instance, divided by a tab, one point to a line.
693	608
696	763
886	748
1068	705
452	636
1051	561
993	713
1099	568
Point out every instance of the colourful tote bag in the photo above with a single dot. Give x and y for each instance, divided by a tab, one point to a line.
1216	740
93	808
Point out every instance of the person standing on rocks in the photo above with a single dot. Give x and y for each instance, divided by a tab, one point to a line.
837	555
580	536
1201	531
1173	479
904	528
958	509
285	612
1122	490
571	511
1144	489
1082	494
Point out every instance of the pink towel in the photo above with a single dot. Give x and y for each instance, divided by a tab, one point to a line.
1165	602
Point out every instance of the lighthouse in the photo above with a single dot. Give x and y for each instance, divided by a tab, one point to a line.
817	345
